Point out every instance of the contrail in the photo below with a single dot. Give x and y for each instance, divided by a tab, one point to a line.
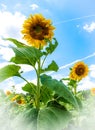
67	65
73	19
87	57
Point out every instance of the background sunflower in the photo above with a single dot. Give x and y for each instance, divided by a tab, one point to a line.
79	71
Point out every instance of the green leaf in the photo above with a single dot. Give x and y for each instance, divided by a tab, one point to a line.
26	55
79	102
16	42
29	87
53	118
45	94
51	67
51	47
9	71
29	118
49	118
59	89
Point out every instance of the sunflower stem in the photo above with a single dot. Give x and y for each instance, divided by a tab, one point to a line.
38	84
43	61
75	88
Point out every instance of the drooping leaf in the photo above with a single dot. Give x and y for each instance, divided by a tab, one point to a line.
53	118
9	71
59	89
51	67
29	118
49	118
16	42
51	47
26	55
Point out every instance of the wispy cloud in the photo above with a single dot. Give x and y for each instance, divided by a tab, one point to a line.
6	53
89	28
84	58
74	19
34	6
69	64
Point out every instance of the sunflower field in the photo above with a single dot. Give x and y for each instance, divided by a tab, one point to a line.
50	104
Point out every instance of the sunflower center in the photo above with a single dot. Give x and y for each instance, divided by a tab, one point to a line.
80	70
38	31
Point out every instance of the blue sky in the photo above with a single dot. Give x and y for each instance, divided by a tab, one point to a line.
75	31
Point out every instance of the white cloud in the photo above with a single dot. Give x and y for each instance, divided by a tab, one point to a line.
26	68
88	82
10	24
3	64
17	87
92	71
89	28
6	53
34	6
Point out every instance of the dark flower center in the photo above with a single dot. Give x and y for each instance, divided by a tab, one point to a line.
80	70
39	31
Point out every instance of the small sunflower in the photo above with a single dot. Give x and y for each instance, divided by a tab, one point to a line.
36	28
21	101
92	91
79	71
8	92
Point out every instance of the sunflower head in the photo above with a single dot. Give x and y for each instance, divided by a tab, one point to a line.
92	91
8	92
79	71
21	101
36	28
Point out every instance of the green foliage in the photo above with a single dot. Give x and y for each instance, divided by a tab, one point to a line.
59	89
53	118
51	67
26	55
49	118
46	95
9	71
49	101
29	117
29	87
51	47
16	42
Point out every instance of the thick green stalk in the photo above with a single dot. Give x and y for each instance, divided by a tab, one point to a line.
38	85
75	88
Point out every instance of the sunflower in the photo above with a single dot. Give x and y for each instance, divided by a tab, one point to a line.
21	101
92	91
8	92
36	28
79	71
